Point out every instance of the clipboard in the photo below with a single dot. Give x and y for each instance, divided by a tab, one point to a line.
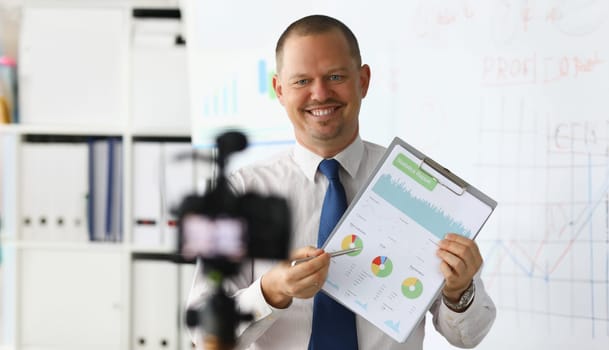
404	209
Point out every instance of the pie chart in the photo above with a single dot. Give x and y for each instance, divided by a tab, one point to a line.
381	266
412	288
352	241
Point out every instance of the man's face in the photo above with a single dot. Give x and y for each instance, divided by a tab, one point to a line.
321	88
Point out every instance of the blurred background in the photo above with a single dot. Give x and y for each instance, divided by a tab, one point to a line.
97	97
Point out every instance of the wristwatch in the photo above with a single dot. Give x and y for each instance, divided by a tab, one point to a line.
464	301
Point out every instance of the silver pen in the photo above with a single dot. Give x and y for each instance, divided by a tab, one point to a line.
332	254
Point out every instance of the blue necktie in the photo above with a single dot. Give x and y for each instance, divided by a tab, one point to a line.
333	325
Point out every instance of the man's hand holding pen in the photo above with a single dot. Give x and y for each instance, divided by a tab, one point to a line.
284	282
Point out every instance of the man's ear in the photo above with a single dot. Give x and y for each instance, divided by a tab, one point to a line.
278	88
364	79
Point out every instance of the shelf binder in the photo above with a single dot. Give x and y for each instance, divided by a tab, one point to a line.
105	189
155	305
54	191
160	183
147	167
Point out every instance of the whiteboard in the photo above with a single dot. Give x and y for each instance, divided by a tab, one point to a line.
511	95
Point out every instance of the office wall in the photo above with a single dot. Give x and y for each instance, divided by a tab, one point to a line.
511	95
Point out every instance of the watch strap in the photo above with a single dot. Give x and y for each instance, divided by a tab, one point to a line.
464	301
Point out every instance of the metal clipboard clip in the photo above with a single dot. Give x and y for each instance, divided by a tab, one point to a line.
443	176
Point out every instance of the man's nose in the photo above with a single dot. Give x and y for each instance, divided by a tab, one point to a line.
320	90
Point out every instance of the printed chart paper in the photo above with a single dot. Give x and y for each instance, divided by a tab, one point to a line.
397	219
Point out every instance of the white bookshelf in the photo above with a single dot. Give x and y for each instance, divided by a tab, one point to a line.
69	294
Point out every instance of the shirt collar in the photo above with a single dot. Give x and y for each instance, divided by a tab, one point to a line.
349	158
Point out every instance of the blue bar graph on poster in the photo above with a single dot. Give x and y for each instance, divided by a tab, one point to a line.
225	101
222	102
234	97
265	78
262	77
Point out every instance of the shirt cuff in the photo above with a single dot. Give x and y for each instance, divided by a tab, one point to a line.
455	317
468	328
252	300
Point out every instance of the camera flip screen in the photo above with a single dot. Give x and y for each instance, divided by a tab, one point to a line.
213	237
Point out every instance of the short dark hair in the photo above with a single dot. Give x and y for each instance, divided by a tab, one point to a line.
317	24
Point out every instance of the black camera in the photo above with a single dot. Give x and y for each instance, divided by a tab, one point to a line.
222	228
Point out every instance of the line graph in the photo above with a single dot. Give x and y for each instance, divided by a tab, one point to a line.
578	226
547	266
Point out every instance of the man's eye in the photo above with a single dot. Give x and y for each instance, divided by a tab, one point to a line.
302	82
336	77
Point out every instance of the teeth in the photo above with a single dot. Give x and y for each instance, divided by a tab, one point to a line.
322	112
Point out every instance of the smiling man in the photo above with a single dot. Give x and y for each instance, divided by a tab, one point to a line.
321	83
321	88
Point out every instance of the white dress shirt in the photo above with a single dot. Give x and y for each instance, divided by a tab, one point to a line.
293	175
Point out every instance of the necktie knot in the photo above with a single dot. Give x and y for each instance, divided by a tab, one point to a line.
329	167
